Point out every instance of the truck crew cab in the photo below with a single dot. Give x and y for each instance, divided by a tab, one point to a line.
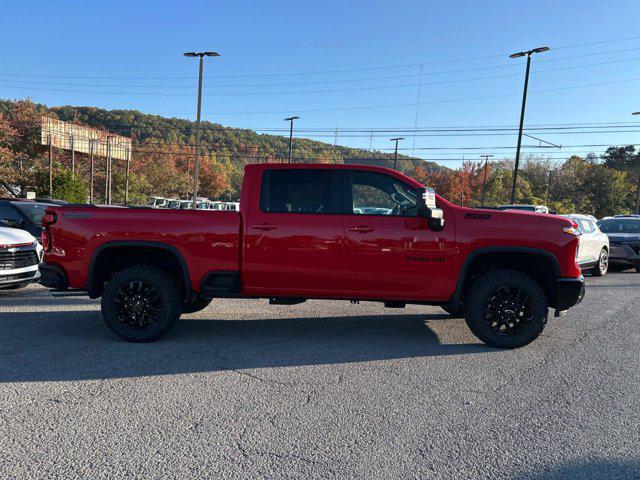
307	231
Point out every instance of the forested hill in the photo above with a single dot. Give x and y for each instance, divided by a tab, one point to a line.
216	138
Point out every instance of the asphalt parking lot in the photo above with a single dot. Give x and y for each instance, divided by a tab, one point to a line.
319	390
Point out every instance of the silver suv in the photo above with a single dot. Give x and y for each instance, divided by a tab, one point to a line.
20	254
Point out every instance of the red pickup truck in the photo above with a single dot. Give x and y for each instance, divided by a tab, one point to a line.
307	231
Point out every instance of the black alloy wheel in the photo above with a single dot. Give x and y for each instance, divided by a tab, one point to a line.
138	304
508	310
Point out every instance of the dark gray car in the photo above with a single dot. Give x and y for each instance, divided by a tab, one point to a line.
624	239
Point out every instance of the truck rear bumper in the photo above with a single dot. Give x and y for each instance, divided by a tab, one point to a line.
570	293
53	277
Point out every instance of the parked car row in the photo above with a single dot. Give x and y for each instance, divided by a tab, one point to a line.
202	204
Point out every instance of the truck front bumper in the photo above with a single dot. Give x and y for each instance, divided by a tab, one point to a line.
570	293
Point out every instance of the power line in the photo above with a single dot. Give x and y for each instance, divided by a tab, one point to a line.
325	81
294	92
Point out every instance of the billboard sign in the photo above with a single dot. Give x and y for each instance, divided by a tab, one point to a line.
80	138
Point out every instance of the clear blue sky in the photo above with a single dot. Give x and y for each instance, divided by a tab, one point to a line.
51	51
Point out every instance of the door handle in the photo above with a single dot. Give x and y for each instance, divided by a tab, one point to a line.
264	226
361	229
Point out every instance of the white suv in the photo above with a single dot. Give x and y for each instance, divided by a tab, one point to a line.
593	253
20	255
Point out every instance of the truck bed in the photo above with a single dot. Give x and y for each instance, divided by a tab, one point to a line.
205	240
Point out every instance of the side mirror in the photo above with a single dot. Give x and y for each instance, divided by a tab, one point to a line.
12	223
428	209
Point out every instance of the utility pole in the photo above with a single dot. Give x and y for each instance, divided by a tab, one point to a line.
196	163
91	168
638	185
126	178
73	155
291	119
107	171
50	165
395	152
484	180
549	187
524	104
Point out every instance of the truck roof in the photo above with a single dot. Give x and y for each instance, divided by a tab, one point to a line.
332	166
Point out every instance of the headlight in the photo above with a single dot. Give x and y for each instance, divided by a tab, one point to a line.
573	230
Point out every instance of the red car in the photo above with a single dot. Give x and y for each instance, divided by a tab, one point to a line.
303	232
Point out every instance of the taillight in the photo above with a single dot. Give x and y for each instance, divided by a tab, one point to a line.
572	230
46	239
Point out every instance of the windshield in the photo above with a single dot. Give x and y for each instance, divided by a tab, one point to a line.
619	225
33	211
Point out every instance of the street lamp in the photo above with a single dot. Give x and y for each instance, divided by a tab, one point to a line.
291	119
484	180
524	103
395	153
197	154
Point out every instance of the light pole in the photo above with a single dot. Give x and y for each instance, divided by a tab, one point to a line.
549	187
291	119
196	163
395	153
638	186
484	180
524	103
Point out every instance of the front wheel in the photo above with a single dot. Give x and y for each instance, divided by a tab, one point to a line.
141	303
603	264
506	309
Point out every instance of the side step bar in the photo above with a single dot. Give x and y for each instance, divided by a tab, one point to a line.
286	300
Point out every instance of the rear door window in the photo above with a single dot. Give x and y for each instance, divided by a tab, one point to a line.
311	191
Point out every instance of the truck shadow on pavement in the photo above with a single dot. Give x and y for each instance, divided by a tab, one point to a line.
76	345
596	469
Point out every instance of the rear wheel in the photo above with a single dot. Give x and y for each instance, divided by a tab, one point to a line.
141	303
603	264
506	309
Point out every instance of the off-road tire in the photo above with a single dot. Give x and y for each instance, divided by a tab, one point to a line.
602	267
165	290
484	288
196	306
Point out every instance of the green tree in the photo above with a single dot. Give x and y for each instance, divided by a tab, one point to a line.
65	186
